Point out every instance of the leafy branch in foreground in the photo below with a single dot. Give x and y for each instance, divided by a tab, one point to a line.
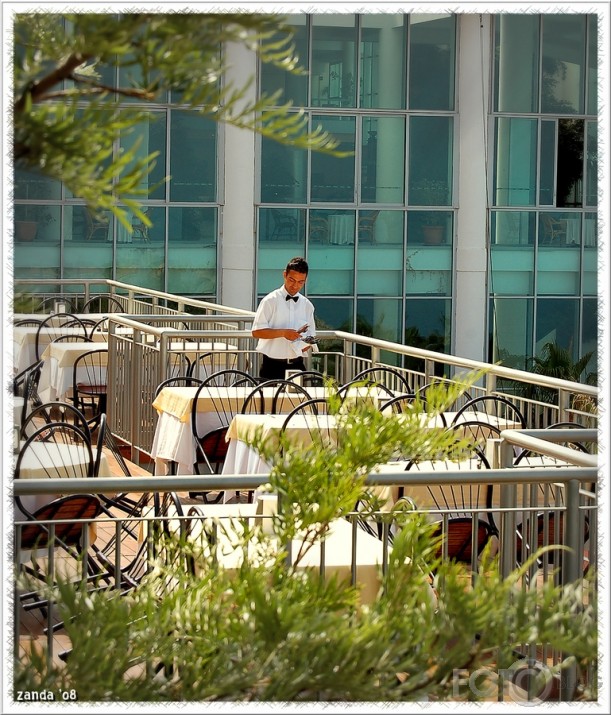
67	113
262	631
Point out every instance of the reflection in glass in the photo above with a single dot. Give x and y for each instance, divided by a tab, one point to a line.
557	322
382	61
432	45
379	270
282	226
430	161
515	162
383	160
569	177
192	157
192	254
591	191
428	323
516	39
331	269
140	256
510	331
592	101
379	318
294	87
333	177
333	60
283	173
563	63
151	135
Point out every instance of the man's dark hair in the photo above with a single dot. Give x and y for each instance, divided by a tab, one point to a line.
297	264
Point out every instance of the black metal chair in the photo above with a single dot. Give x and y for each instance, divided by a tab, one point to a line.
89	384
50	412
274	397
103	303
54	326
386	376
178	381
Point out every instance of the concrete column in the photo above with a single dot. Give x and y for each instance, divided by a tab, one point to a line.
471	258
237	235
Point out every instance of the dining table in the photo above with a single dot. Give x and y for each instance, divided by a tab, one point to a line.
43	460
24	342
222	526
55	381
173	440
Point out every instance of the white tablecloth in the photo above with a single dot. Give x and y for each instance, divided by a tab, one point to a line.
56	374
24	343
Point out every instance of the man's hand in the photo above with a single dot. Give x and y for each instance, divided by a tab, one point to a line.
291	334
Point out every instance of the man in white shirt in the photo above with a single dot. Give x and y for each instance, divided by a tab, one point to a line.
284	324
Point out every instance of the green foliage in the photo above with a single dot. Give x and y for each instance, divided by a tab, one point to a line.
268	631
67	117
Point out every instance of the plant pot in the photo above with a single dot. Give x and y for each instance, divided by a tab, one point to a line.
26	230
433	235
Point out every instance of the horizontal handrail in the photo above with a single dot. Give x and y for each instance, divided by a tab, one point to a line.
539	441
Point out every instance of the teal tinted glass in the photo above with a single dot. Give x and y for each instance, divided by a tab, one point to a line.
428	271
37	223
383	160
333	60
331	268
382	61
380	227
283	173
512	253
192	157
569	174
558	322
151	134
89	243
192	254
333	313
294	87
432	52
333	177
379	318
515	162
516	66
429	228
428	323
140	255
563	63
548	164
379	266
591	190
283	227
559	255
510	327
34	186
430	161
592	99
590	255
589	333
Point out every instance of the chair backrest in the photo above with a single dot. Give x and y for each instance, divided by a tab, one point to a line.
54	326
66	509
314	424
309	378
44	414
364	390
209	363
103	303
97	326
50	301
494	406
228	377
27	323
178	381
91	367
72	339
457	404
274	397
405	404
28	387
386	376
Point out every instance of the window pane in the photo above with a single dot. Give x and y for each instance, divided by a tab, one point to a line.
558	269
430	161
285	227
33	186
548	163
333	177
516	67
379	270
294	87
192	251
283	173
569	179
512	253
589	333
590	256
510	331
382	61
331	269
557	322
81	225
432	49
432	228
152	136
428	324
382	160
89	244
592	65
563	71
428	270
37	223
515	162
380	227
140	255
192	157
379	319
333	60
591	192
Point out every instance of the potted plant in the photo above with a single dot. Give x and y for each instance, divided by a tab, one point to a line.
30	220
432	192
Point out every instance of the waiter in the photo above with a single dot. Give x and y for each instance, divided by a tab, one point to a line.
284	324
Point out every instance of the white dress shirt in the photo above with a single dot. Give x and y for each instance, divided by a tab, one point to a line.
275	311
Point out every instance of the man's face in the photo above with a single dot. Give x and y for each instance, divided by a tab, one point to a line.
294	281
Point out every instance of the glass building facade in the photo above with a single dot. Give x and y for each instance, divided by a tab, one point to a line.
464	219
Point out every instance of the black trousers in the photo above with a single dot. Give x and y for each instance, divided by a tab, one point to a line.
272	369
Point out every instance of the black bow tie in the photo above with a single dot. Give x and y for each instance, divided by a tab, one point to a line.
292	297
